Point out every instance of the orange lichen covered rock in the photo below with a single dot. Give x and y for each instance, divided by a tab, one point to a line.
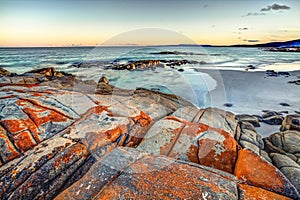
24	141
218	150
65	144
247	192
143	119
191	142
165	178
126	173
7	151
254	170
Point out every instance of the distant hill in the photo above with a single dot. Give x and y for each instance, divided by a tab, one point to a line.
291	43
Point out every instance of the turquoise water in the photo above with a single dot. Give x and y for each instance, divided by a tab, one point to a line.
20	60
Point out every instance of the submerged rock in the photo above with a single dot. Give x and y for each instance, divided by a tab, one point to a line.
284	104
228	104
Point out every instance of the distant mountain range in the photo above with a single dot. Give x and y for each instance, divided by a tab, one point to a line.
286	44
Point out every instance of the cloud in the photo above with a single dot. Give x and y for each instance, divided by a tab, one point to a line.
255	14
251	40
265	10
275	6
243	29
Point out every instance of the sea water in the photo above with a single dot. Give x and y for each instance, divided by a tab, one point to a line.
192	84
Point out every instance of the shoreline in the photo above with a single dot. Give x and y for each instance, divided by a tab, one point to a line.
246	92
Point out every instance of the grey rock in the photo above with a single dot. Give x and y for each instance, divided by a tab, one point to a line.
281	160
293	174
249	118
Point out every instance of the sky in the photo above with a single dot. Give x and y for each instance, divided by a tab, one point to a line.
142	22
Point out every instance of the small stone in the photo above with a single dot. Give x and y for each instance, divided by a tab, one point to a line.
180	70
271	73
284	104
286	74
250	67
228	104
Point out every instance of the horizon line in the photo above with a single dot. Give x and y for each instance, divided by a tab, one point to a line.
143	45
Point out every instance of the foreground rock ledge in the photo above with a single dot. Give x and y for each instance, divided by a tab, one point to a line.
64	138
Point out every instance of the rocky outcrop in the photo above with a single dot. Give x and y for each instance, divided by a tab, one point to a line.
147	64
105	142
4	72
248	118
284	149
291	122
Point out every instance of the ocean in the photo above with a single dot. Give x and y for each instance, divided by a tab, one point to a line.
191	83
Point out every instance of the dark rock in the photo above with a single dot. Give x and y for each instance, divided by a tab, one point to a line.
180	70
283	49
228	104
270	114
296	121
286	74
271	73
297	82
284	104
273	120
283	112
260	119
264	111
297	112
250	67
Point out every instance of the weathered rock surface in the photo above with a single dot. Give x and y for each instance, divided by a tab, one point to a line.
273	120
284	150
288	167
247	192
291	122
64	138
249	118
269	177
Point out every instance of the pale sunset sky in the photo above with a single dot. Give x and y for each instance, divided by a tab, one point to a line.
91	22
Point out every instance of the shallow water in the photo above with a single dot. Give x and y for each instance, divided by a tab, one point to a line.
193	84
